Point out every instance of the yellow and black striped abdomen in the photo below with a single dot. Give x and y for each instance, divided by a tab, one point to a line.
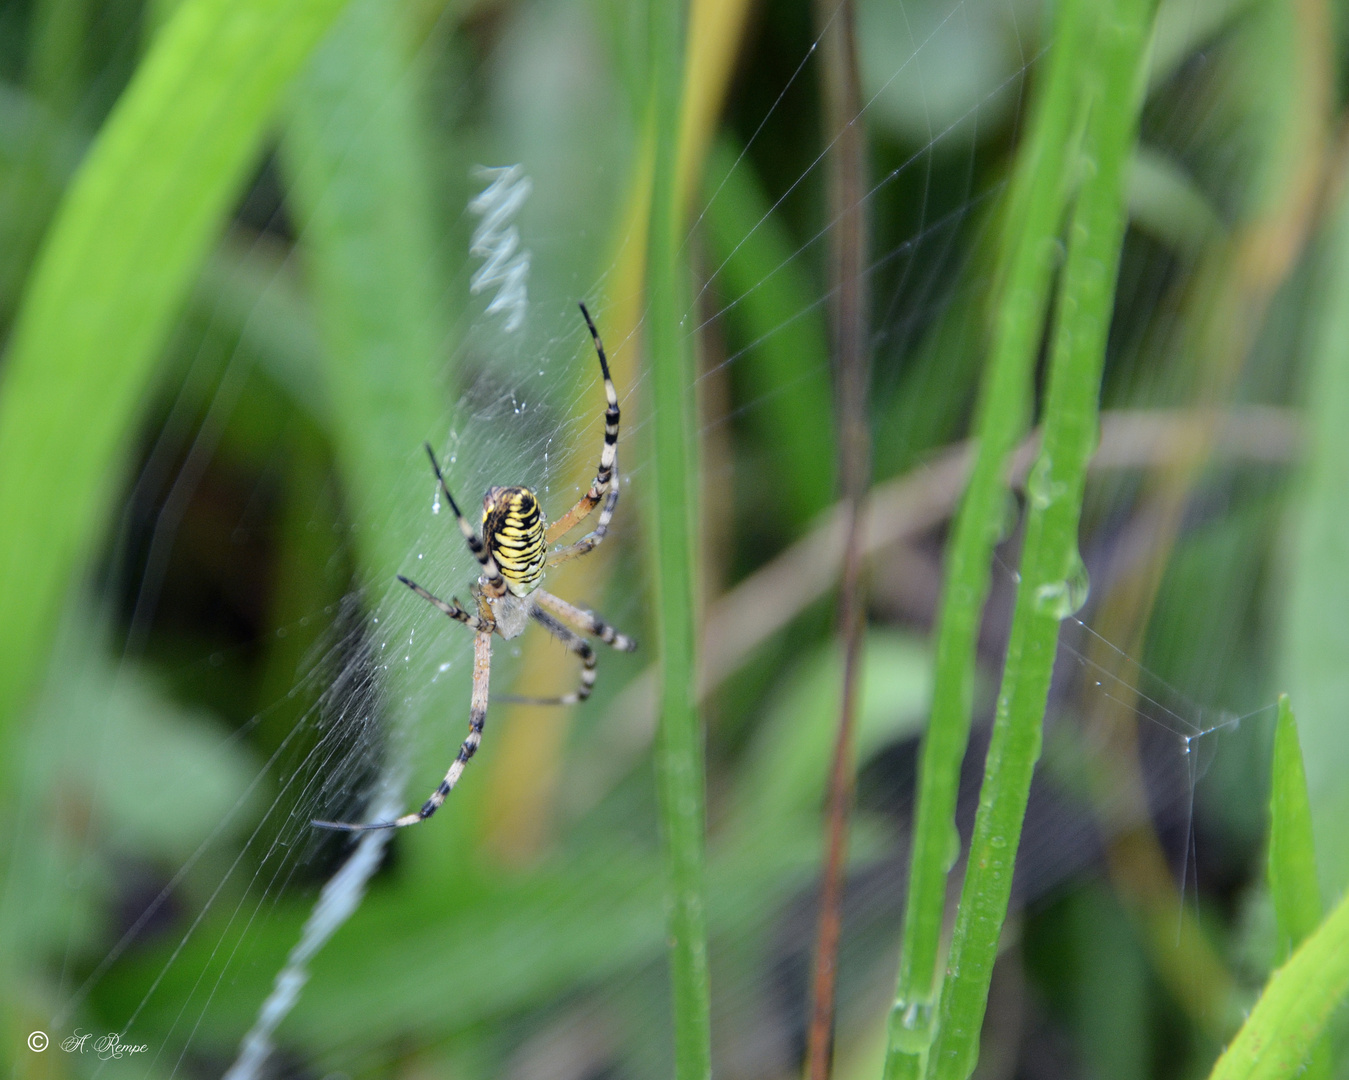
512	528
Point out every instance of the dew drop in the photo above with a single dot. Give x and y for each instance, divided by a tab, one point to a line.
1064	598
915	1032
1041	486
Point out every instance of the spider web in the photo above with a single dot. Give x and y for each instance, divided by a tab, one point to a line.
193	902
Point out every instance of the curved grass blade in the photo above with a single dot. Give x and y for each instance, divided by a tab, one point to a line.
1277	1039
120	259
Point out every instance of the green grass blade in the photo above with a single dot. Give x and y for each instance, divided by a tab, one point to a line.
1053	581
1317	641
679	761
356	161
1292	855
1279	1035
1032	220
120	259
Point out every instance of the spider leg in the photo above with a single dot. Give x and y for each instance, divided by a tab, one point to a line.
575	643
453	610
482	666
586	620
592	540
493	582
608	455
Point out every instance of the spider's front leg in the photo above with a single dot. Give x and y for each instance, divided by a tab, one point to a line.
605	479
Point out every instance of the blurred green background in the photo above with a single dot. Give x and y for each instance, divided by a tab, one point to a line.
236	294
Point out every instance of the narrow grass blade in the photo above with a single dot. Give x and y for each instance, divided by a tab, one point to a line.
119	260
1317	643
1276	1040
1053	580
1292	854
1292	857
1032	217
679	756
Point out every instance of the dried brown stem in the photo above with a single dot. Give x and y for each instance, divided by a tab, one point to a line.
852	365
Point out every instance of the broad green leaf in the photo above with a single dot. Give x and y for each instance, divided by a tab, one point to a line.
356	158
354	150
1276	1040
129	238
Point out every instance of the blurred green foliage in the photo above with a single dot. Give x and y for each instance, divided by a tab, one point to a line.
235	293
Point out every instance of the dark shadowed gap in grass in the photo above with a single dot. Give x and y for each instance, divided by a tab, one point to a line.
783	366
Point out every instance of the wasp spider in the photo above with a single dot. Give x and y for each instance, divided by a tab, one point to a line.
513	555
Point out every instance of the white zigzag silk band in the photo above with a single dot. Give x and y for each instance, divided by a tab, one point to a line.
497	242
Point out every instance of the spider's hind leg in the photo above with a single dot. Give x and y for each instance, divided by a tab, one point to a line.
574	643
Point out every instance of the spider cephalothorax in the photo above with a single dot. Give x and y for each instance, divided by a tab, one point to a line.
512	552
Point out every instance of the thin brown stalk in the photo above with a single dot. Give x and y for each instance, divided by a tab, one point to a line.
852	367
